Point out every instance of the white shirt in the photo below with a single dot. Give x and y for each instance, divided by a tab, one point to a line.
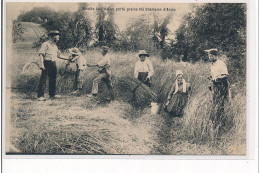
49	50
81	61
105	61
217	69
145	66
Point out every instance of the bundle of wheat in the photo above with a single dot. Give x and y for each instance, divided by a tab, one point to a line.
142	94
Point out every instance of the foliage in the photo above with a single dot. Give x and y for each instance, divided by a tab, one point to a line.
17	31
150	32
37	15
75	29
106	28
139	33
215	25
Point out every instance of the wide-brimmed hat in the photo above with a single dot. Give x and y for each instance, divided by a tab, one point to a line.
143	52
74	51
105	48
53	32
178	72
212	51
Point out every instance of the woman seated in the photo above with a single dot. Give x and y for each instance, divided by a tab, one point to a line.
178	96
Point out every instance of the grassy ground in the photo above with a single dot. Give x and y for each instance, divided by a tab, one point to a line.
77	125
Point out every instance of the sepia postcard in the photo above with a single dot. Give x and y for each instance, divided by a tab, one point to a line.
89	78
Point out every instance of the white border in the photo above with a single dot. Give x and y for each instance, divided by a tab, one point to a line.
246	163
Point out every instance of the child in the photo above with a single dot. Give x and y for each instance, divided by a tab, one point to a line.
144	68
80	61
178	96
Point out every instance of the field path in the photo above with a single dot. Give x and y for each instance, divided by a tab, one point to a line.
77	125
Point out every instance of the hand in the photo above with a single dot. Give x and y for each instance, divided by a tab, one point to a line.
41	67
147	78
166	104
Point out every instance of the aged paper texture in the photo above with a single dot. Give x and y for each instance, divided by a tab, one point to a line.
125	78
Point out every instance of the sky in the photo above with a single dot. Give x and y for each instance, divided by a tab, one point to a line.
122	18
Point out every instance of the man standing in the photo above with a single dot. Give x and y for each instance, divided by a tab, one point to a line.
48	53
220	86
104	74
144	68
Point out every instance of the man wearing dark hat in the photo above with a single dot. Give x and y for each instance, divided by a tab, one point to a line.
104	73
220	86
144	68
48	53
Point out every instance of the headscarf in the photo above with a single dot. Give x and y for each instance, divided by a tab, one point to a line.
184	83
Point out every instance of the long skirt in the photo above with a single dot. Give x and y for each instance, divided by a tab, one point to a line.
177	104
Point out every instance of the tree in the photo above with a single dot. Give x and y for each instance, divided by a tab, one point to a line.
213	25
37	15
17	31
140	33
75	28
105	26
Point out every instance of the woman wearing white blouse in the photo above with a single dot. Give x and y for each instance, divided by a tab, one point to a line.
144	68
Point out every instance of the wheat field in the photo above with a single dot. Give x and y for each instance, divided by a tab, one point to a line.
77	125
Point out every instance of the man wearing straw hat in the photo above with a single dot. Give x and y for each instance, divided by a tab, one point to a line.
220	86
49	53
76	56
143	68
104	74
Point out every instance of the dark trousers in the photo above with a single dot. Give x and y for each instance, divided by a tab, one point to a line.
142	77
79	78
50	71
107	79
220	89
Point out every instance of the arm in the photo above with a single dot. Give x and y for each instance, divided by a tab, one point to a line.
151	72
73	59
188	87
171	92
62	56
42	52
136	70
41	65
92	65
104	62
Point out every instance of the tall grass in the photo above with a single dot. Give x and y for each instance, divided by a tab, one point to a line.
196	125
